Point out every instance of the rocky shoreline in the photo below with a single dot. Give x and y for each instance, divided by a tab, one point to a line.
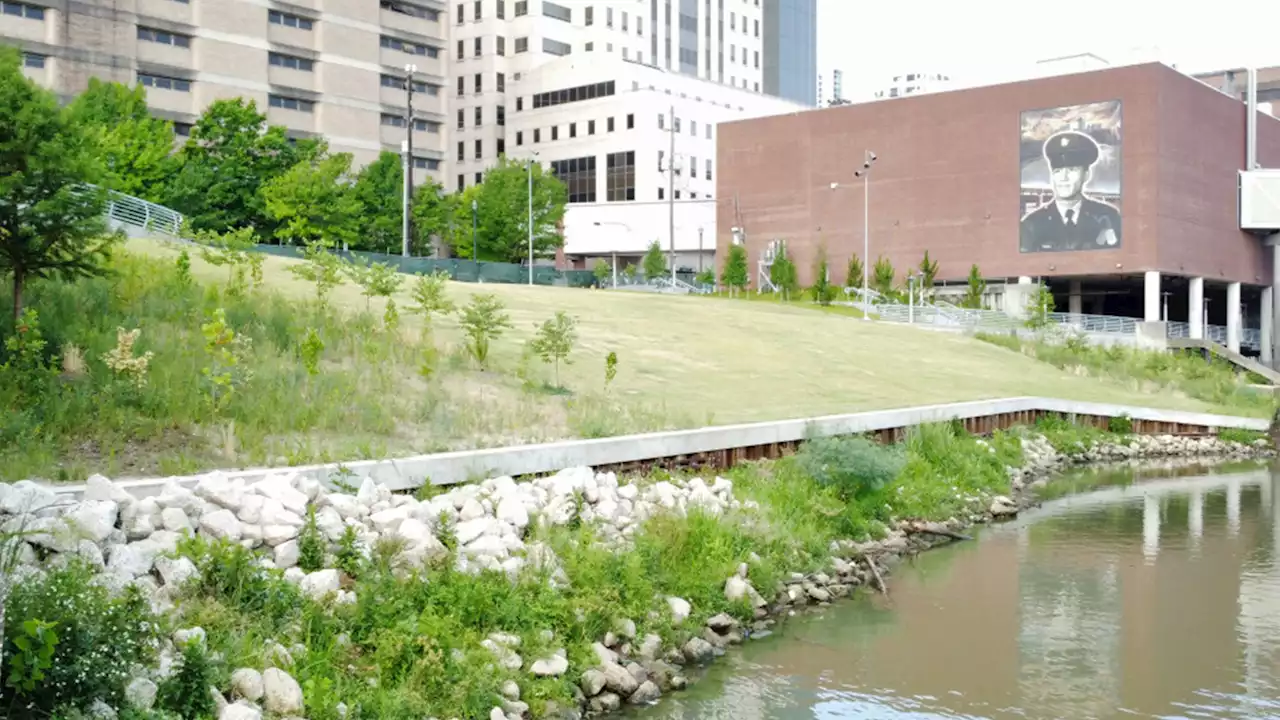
485	526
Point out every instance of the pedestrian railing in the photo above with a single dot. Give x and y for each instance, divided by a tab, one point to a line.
129	211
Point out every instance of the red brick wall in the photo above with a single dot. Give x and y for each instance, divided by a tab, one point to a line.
948	179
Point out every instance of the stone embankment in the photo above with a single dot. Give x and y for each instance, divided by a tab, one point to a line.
487	527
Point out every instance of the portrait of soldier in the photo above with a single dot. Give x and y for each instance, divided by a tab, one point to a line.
1071	220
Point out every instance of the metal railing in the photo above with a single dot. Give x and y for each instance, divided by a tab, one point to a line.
127	211
1249	337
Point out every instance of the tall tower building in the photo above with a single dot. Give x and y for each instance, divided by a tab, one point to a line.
790	49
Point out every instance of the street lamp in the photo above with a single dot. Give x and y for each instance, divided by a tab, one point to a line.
409	70
475	249
530	168
602	223
869	159
407	199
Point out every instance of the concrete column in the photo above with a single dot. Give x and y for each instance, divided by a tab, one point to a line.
1274	242
1265	327
1195	308
1233	317
1074	301
1150	527
1151	296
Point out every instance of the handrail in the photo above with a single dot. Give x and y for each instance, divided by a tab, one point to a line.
129	211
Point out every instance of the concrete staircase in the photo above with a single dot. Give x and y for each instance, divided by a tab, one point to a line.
1208	347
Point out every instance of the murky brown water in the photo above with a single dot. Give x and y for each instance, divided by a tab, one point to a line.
1159	599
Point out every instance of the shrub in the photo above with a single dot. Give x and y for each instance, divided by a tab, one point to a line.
1120	425
554	341
853	466
483	319
311	544
186	691
232	575
99	638
602	272
429	298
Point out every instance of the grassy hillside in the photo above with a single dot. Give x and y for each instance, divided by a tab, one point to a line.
682	362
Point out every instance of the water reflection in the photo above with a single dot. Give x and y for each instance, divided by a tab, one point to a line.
1158	598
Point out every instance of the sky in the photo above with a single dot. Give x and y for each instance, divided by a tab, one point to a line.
983	41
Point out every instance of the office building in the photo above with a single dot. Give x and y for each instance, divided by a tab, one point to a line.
791	49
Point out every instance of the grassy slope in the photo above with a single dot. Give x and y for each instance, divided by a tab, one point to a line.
722	361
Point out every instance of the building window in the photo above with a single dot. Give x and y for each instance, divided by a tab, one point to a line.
291	62
589	18
479	81
461	50
33	60
394	120
522	45
662	194
591	127
555	132
578	176
405	8
677	124
460	13
411	48
461	86
500	116
537	135
522	8
17	9
275	17
556	12
708	169
478	48
519	104
573	129
391	81
662	121
620	176
502	45
479	116
608	17
708	131
640	30
693	128
631	121
589	47
574	94
677	194
624	21
288	103
476	12
519	138
501	82
693	166
609	125
555	47
502	147
182	129
164	37
462	119
757	28
426	163
479	149
462	151
462	182
502	10
164	83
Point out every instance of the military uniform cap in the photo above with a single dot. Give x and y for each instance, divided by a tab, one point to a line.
1070	149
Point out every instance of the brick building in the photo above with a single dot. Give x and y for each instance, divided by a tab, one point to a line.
957	172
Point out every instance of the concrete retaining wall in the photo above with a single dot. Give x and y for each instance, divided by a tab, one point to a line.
455	467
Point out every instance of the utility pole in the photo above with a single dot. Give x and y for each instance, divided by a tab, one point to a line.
409	70
671	195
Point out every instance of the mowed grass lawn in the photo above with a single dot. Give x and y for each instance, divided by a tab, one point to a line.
719	360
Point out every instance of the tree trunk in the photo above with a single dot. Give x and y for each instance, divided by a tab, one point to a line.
17	295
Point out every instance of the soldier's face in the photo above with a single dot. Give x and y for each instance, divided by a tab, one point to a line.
1068	182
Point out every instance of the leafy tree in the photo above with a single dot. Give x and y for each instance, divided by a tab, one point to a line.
734	275
706	277
554	341
882	275
484	319
135	149
853	274
630	271
976	289
379	190
823	291
1040	307
323	268
429	296
435	215
314	200
602	271
503	209
232	249
375	279
928	275
230	155
51	224
782	273
654	262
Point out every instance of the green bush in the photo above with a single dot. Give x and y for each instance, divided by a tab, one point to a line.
853	466
100	638
234	576
186	692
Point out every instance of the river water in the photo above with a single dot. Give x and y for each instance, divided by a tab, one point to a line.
1151	598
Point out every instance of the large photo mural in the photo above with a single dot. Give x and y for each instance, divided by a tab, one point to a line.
1071	186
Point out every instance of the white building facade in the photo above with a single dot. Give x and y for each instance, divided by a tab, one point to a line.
610	131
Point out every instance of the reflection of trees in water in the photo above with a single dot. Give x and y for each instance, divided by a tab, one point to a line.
1069	637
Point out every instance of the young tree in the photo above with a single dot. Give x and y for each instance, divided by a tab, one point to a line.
484	319
882	275
602	271
379	190
429	298
928	275
554	341
435	217
502	212
375	279
630	272
323	268
135	149
973	296
654	262
314	201
51	224
782	273
823	291
734	275
230	155
232	249
853	274
1040	307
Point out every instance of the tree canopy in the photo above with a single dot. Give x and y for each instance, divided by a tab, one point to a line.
135	149
502	202
315	201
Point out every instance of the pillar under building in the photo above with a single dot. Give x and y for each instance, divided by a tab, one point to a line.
1233	317
1151	296
1195	308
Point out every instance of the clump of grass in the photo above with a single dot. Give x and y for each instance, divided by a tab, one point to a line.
1070	438
1239	435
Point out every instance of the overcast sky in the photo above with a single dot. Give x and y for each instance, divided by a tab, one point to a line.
979	41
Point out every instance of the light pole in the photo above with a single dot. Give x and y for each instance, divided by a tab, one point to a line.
475	249
699	250
531	159
409	70
865	174
602	223
406	200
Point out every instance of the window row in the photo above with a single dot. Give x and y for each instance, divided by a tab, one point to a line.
477	82
663	119
408	47
17	9
391	81
161	82
679	168
573	94
394	120
578	176
404	8
287	103
590	19
479	154
553	132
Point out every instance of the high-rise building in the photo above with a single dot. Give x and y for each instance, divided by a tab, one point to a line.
790	49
